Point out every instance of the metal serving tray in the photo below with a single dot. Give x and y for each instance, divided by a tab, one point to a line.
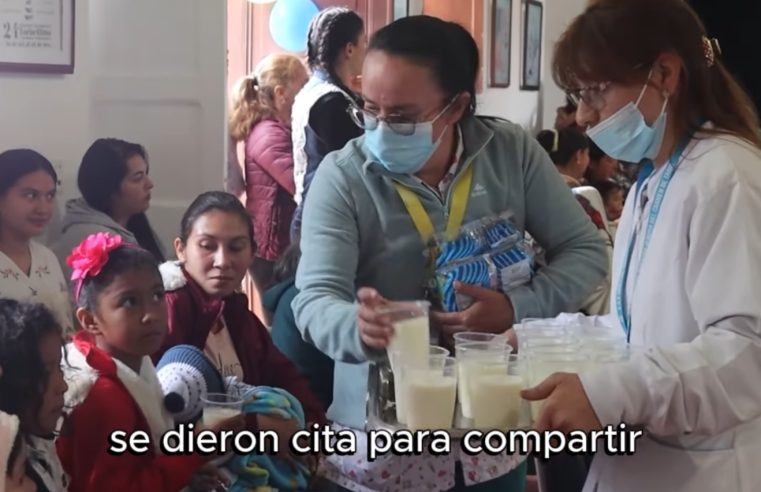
381	410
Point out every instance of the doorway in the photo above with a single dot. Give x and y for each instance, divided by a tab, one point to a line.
249	40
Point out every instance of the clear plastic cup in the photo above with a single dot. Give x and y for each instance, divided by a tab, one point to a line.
538	338
218	407
541	342
538	328
467	352
618	355
544	362
411	328
471	337
611	357
495	393
431	394
398	360
543	321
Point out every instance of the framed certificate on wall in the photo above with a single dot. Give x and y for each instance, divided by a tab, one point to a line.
37	36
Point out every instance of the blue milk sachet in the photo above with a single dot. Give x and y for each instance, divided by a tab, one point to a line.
476	238
503	270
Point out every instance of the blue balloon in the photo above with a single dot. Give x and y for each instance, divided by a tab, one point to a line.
289	23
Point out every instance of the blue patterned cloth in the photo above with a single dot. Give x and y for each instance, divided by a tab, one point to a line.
258	472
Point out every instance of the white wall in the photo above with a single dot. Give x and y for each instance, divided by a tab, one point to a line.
534	110
51	113
556	20
146	71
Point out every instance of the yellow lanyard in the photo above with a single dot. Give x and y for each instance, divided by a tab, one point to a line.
456	214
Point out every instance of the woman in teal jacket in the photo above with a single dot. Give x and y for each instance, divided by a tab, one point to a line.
360	246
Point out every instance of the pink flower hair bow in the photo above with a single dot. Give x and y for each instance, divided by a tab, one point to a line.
89	258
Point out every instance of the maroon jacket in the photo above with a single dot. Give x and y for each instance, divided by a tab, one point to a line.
270	187
191	316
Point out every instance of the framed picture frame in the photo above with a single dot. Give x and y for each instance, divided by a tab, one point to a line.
37	36
531	66
501	43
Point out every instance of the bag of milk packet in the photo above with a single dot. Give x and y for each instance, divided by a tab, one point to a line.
474	239
502	270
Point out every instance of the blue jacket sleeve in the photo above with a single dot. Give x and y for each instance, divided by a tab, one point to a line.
325	308
577	259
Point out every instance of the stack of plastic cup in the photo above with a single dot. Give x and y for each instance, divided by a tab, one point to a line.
430	393
494	391
618	355
470	358
401	360
546	361
471	336
544	329
599	340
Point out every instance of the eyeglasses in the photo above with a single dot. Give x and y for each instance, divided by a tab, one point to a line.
368	120
403	125
593	96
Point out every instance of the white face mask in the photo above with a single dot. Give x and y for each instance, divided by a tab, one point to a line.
625	135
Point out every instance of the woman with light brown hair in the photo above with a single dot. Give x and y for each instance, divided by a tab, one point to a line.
261	117
651	88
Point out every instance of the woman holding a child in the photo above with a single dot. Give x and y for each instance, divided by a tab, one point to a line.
424	148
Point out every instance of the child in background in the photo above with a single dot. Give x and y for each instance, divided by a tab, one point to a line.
32	386
613	197
13	457
123	316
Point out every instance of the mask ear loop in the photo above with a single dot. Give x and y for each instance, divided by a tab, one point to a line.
665	101
664	94
437	142
644	87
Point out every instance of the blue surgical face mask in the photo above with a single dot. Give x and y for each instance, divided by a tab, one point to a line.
403	154
625	135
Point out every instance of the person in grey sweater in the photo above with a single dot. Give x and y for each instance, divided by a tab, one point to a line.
116	192
361	248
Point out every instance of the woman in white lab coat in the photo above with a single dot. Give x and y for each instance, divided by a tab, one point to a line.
651	87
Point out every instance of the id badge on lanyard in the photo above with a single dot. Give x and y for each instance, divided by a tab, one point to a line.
623	305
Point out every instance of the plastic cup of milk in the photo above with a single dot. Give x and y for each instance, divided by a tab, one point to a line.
220	406
412	334
472	336
531	329
431	394
475	351
495	393
398	360
544	362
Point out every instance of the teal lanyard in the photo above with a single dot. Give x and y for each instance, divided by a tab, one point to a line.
624	314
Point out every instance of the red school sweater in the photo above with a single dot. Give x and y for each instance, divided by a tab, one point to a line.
106	398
